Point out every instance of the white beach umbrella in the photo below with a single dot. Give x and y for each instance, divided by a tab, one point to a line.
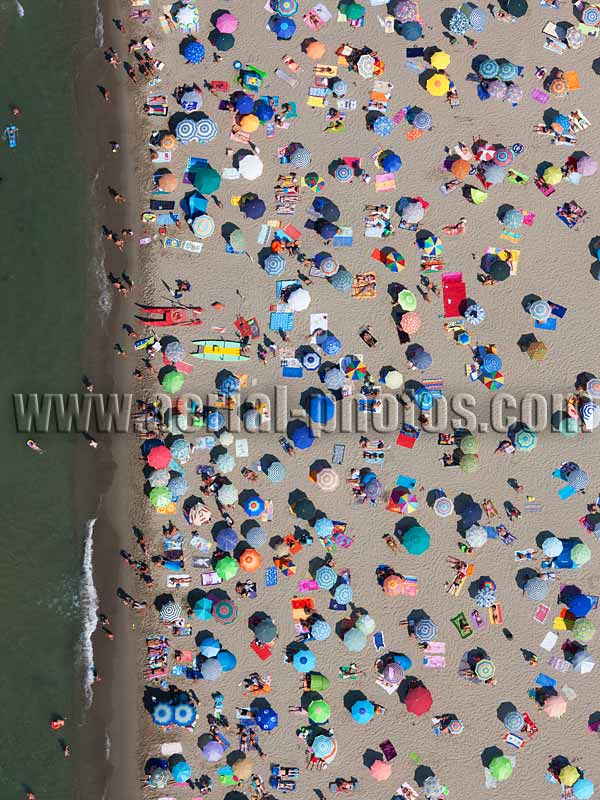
250	167
299	299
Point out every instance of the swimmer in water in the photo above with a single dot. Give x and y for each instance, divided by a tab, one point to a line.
34	446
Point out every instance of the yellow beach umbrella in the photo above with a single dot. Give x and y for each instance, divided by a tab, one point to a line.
478	196
438	85
439	60
553	175
569	775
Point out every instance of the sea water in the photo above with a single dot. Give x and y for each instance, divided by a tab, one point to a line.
47	592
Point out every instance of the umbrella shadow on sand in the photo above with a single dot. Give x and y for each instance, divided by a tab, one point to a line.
505	708
351	697
489	753
370	757
423	772
523	576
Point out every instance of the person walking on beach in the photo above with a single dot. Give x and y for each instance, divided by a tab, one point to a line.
104	92
119	350
116	196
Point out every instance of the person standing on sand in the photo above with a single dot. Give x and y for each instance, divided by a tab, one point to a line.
104	92
116	196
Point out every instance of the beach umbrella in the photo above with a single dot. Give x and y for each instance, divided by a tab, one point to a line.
227	383
485	597
226	23
514	93
213	750
514	721
476	536
411	30
160	497
477	19
256	536
425	630
206	130
581	554
458	23
159	477
583	630
304	509
590	415
162	714
569	775
342	281
343	594
320	630
443	507
439	60
493	173
474	314
223	611
167	182
299	299
159	777
381	770
525	439
328	210
300	158
178	486
460	168
327	230
423	399
321	409
319	712
407	300
203	226
590	16
500	768
303	437
181	772
352	11
422	121
393	379
215	421
469	463
250	167
469	444
485	669
391	162
244	104
552	547
190	101
355	640
393	672
304	660
579	605
206	179
418	700
283	27
250	560
583	789
326	577
226	539
413	212
405	501
587	166
225	463
254	506
172	381
209	647
354	368
263	111
507	71
314	49
383	126
266	718
175	351
199	514
540	310
328	480
170	612
330	344
225	658
488	69
498	270
184	714
221	41
437	85
322	746
324	527
226	568
311	361
365	624
421	360
265	631
334	379
516	8
416	540
504	156
286	8
362	711
536	589
405	11
274	264
249	123
392	585
431	245
578	479
343	173
553	175
194	52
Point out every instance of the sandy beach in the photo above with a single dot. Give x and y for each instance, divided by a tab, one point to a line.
554	264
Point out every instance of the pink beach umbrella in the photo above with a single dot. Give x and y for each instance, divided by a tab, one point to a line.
227	23
555	706
381	770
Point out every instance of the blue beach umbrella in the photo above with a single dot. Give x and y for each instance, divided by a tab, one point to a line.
507	71
363	711
283	27
579	605
391	162
343	594
423	399
203	608
266	718
215	421
411	30
321	409
321	630
244	104
304	661
181	772
489	69
330	344
303	437
263	110
162	714
323	527
227	660
184	714
326	577
311	361
194	52
206	130
227	539
209	647
227	383
383	126
254	506
322	746
491	363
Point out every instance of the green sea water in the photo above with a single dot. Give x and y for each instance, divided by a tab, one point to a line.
44	265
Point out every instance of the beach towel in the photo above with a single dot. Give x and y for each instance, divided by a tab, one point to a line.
271	576
462	626
343	237
385	182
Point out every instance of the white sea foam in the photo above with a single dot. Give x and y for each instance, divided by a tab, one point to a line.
99	30
20	9
107	745
105	294
88	600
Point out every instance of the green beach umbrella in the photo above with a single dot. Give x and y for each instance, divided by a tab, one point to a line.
237	240
226	568
581	554
172	381
355	640
160	497
319	711
352	11
318	682
407	300
501	768
583	630
206	179
265	631
469	463
469	444
416	540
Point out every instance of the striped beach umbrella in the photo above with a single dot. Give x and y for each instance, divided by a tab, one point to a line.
343	594
326	577
328	480
170	612
477	19
489	69
485	669
593	388
203	226
455	727
590	415
578	479
286	8
343	173
583	630
206	130
276	472
300	157
274	264
328	266
591	16
536	589
507	71
458	23
186	131
422	121
334	379
322	746
443	507
224	611
525	439
162	714
431	245
321	630
504	156
485	151
425	630
514	721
